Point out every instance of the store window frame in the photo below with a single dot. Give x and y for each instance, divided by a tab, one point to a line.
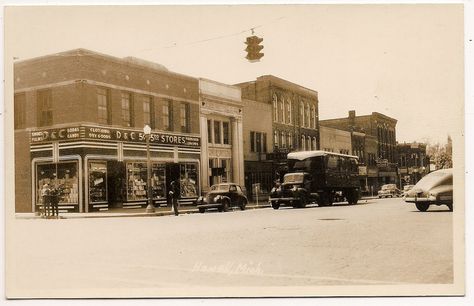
94	178
73	192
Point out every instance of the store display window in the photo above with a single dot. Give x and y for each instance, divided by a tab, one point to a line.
158	181
136	181
189	179
97	182
62	176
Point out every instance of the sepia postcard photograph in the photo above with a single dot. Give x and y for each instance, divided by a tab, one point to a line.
234	151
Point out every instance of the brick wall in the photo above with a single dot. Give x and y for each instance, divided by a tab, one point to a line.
22	172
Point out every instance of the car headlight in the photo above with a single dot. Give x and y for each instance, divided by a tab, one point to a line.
200	199
294	188
217	198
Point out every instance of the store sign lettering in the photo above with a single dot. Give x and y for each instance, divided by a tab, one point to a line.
55	134
100	134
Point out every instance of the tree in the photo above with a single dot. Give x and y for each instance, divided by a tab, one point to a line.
441	156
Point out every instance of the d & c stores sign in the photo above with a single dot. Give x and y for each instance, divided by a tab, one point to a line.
111	134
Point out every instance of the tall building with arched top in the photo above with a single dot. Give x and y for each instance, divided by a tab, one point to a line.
279	117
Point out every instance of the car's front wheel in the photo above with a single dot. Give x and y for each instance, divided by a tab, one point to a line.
422	206
450	206
201	210
275	205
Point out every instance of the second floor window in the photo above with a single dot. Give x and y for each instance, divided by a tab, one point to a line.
167	116
275	108
20	110
307	113
217	132
288	111
225	132
302	123
45	107
184	118
103	106
258	142
209	131
148	112
281	111
127	109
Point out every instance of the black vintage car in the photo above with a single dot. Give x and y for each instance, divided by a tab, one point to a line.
223	196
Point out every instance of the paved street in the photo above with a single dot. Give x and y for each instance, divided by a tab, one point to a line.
375	242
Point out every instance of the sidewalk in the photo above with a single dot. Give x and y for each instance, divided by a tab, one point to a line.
141	212
137	212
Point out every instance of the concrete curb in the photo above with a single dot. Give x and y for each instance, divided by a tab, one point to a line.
26	216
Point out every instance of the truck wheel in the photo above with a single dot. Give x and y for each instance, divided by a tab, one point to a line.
275	205
303	202
353	198
422	206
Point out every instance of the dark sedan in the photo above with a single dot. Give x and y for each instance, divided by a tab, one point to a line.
435	188
223	196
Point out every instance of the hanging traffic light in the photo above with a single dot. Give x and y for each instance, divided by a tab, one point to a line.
253	48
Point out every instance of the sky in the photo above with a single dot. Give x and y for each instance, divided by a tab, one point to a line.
405	61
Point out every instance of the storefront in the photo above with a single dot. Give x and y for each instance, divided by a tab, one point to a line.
99	168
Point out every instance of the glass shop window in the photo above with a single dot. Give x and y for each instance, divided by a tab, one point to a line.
136	181
158	181
97	182
63	176
189	179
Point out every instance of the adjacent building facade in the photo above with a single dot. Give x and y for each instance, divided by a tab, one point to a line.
222	140
294	123
335	140
79	118
374	142
413	163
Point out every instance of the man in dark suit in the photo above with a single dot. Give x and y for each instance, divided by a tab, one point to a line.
174	195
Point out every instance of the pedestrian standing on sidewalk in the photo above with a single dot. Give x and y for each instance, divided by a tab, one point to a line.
45	191
174	195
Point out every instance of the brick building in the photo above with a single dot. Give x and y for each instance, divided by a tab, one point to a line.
413	163
293	120
79	118
374	142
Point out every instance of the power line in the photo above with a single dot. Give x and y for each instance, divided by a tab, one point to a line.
175	45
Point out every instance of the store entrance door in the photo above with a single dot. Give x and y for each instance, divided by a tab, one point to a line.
172	173
116	183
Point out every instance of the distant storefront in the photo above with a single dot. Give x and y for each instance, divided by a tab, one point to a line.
100	168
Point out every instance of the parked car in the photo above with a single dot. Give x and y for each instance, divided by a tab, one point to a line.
223	196
435	188
389	190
